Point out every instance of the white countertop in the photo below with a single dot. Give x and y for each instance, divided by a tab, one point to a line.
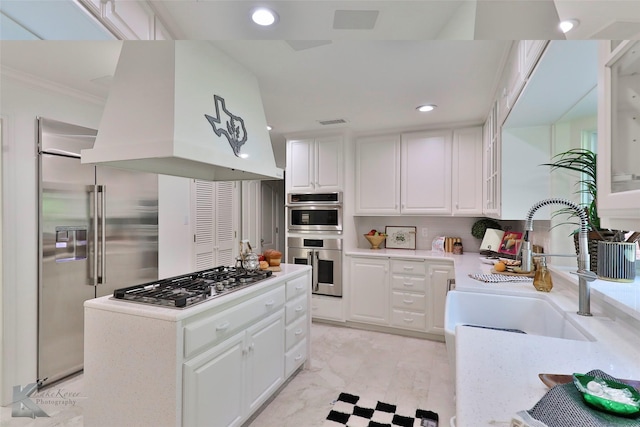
497	372
110	303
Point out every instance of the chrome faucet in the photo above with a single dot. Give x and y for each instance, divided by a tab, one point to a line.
584	274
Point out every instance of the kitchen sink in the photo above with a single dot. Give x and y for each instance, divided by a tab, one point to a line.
529	314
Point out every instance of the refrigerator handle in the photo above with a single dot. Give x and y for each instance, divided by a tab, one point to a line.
94	266
102	189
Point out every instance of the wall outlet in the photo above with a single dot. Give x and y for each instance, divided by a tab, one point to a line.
424	232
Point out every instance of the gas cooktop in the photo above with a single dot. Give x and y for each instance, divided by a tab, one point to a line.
189	289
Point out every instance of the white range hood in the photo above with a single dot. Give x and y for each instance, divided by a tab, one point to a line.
179	108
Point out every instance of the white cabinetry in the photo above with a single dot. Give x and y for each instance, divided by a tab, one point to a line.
255	356
491	165
377	175
369	290
619	135
408	174
297	319
440	275
466	177
315	165
327	308
407	294
425	183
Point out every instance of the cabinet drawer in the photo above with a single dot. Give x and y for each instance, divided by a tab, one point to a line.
296	332
295	357
297	287
408	267
409	320
207	331
407	301
409	283
295	309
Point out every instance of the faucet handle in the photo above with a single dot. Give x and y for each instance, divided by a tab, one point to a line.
587	275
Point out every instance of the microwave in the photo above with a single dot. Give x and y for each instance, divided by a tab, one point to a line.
320	212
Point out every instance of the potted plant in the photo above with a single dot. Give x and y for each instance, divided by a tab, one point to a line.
584	161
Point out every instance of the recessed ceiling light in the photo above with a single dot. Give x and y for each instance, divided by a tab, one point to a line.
568	25
263	16
269	127
425	108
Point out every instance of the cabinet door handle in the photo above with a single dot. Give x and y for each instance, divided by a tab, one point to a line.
251	346
407	301
298	357
222	326
269	303
298	332
299	309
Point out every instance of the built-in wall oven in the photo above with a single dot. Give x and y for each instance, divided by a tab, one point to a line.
324	255
315	212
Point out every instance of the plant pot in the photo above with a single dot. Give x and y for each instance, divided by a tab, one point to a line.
592	239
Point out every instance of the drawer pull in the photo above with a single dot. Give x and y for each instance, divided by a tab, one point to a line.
410	284
298	332
299	287
299	309
407	301
269	303
298	357
223	326
407	268
408	320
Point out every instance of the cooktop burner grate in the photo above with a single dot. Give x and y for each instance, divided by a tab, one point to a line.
189	289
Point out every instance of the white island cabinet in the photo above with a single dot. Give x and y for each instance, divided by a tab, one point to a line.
214	363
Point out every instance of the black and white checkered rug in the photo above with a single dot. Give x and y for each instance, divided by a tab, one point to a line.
352	411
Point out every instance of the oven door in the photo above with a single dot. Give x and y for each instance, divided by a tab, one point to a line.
325	258
315	218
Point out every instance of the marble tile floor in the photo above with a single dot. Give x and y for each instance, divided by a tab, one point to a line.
410	372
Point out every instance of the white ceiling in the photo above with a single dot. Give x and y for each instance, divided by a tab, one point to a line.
373	79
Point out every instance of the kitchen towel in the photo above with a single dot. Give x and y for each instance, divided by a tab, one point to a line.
496	278
564	406
353	411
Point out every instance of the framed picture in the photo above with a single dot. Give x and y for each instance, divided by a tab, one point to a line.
511	242
400	237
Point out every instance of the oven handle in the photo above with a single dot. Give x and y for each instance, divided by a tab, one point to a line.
314	271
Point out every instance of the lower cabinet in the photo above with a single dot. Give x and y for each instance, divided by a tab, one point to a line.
400	293
255	356
369	295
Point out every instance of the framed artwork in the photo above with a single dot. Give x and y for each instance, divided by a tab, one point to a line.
400	237
511	242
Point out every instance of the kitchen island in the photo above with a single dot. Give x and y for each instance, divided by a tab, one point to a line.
213	363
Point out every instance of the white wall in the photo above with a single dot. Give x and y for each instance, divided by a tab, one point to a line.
21	102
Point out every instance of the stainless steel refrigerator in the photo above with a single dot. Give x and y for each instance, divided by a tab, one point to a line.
98	232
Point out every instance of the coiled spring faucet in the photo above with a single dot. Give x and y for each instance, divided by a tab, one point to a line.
584	274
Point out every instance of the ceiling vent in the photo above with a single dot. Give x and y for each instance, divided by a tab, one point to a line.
332	122
355	19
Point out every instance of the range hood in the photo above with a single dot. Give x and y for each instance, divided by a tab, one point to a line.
184	108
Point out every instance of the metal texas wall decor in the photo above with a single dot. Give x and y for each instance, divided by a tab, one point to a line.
235	131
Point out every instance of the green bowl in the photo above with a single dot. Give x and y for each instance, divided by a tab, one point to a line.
596	394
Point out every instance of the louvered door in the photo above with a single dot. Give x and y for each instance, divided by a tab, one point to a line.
215	207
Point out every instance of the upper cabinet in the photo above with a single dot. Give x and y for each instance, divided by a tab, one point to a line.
619	135
466	176
128	20
377	175
419	173
315	165
425	171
